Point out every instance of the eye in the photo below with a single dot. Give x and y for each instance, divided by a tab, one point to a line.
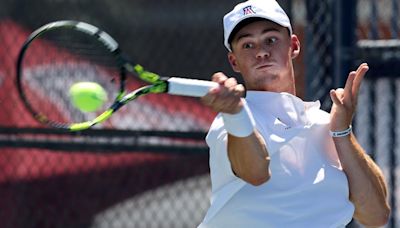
247	45
271	40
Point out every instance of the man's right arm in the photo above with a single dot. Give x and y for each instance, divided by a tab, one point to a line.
249	158
248	155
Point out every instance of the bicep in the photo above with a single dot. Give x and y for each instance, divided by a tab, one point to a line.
249	158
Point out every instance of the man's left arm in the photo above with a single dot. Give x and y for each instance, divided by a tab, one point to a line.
368	190
367	186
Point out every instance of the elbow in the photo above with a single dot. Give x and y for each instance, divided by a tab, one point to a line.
378	220
382	218
258	179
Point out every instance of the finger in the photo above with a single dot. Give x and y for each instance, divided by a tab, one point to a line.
230	82
336	96
228	87
240	90
340	93
361	67
348	88
361	71
219	77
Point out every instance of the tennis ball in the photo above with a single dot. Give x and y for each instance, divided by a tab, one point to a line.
87	96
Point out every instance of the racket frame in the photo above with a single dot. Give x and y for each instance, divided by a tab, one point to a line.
158	84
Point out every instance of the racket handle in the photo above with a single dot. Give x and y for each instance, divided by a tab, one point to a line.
189	87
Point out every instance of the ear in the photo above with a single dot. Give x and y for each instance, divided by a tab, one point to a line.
233	61
295	45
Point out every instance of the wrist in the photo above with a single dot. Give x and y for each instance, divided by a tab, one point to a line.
240	124
338	134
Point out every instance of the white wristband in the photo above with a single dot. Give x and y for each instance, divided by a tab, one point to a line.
240	124
341	133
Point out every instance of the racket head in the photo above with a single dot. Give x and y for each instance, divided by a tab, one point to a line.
60	54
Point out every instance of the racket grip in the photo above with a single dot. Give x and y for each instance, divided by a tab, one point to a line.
189	87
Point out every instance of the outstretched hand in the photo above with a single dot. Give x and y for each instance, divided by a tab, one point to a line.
345	100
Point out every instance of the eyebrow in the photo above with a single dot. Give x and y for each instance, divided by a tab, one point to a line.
240	36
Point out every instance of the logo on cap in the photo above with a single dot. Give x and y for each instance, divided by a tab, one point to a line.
248	10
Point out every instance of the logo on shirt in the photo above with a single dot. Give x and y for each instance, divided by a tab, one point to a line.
248	10
286	127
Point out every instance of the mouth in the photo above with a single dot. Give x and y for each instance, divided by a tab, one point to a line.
263	66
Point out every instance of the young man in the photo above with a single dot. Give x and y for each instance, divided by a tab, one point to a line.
275	160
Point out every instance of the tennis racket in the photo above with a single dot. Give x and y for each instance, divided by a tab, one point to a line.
59	54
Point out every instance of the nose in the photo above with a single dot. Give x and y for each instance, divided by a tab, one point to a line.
263	52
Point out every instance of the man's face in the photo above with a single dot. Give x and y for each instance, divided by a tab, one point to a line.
262	52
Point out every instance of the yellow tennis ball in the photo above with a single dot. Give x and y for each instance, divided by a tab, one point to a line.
87	96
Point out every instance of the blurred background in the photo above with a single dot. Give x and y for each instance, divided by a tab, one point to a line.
148	166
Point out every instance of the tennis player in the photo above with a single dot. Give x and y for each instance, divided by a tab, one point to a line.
275	160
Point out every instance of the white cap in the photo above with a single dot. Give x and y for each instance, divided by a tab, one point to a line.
267	9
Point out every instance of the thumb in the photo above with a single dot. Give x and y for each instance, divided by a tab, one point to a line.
337	96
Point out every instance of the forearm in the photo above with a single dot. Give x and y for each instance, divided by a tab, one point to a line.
249	158
368	190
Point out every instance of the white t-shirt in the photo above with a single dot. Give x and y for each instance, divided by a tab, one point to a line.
307	187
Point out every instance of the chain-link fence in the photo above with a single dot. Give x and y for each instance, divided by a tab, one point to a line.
147	166
361	31
378	34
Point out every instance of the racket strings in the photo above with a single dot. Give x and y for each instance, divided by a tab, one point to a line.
55	61
90	49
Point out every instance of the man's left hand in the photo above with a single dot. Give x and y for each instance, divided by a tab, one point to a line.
345	100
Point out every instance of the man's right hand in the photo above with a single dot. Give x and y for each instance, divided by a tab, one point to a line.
227	97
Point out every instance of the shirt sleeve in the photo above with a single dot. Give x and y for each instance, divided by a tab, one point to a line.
220	166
